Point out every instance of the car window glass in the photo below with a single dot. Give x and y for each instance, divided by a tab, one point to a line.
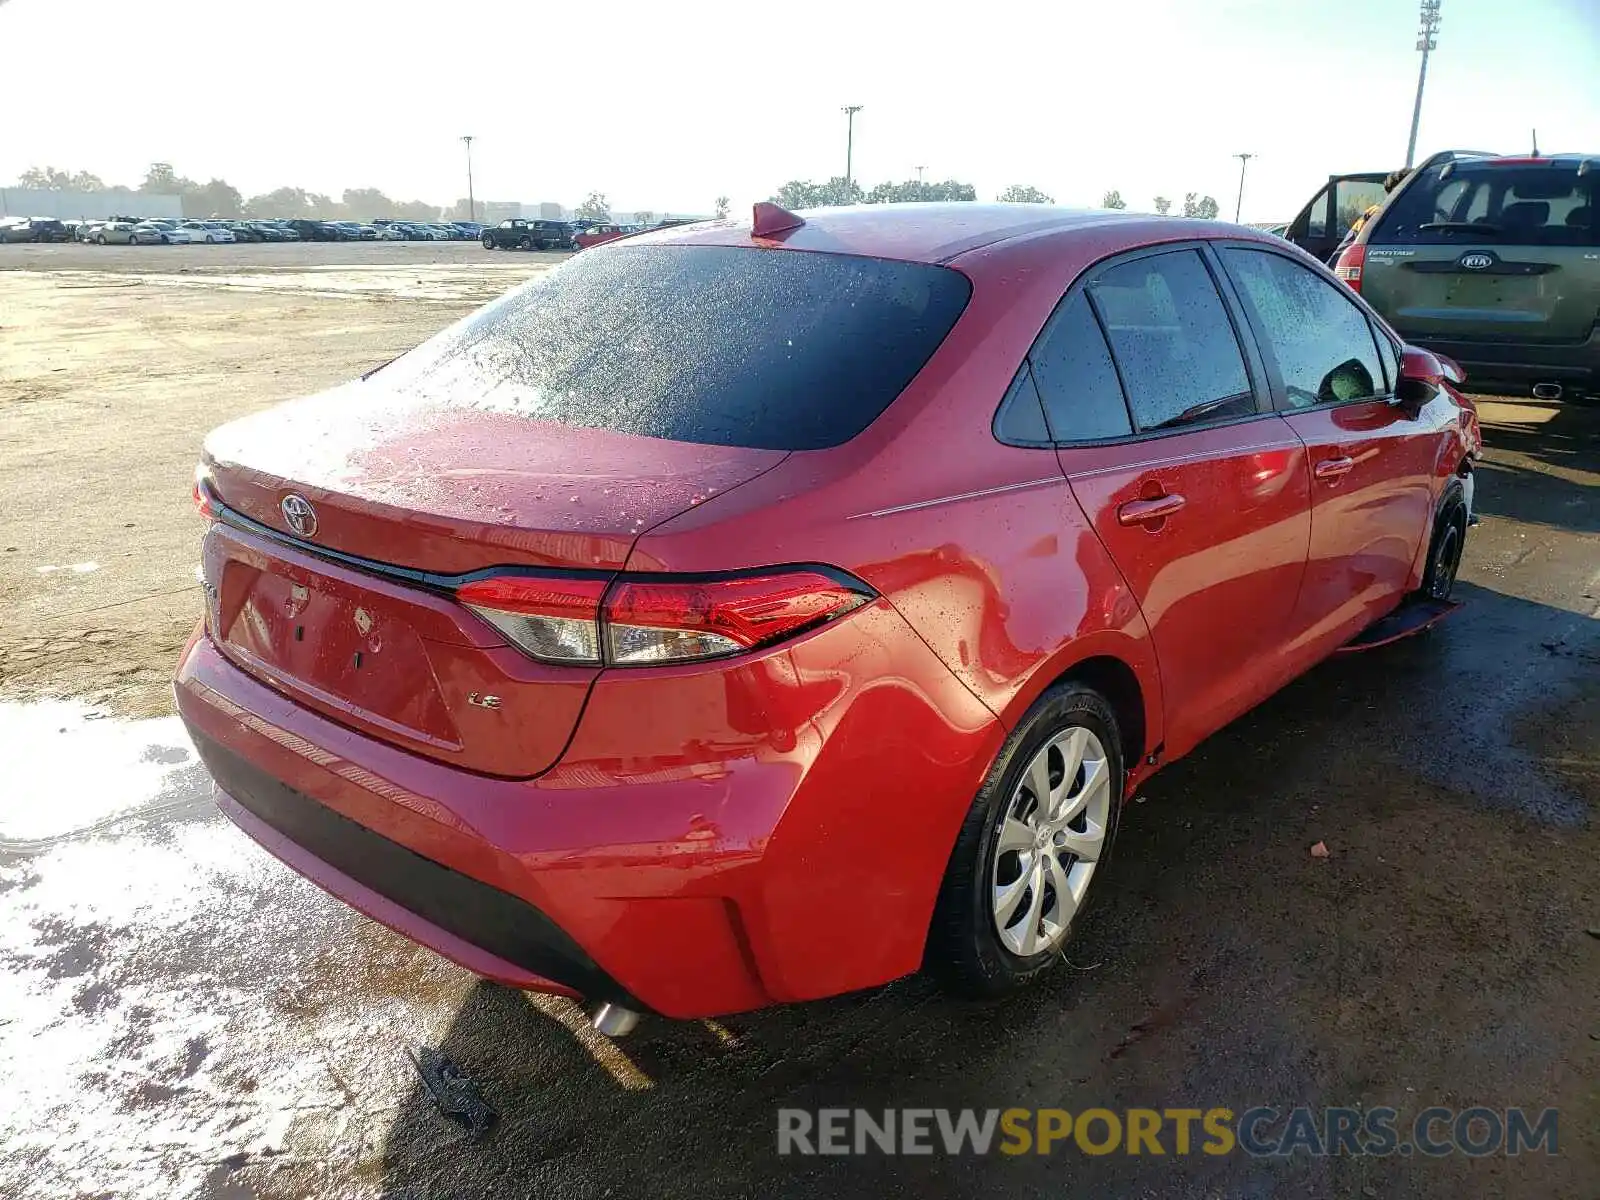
1321	340
1020	420
1546	204
1172	340
1355	196
718	345
1319	215
1390	354
1076	380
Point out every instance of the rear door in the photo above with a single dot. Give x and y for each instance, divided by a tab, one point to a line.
1492	250
1198	490
1322	223
1372	461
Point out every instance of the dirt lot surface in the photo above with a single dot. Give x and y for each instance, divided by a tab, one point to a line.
114	363
181	1016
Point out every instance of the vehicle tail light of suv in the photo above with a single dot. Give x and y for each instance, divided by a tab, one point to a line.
640	620
1348	268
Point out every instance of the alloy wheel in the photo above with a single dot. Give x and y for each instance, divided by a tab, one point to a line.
1051	836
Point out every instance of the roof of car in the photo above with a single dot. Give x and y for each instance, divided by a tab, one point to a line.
913	232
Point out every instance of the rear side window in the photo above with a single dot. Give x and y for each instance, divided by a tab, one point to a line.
720	345
1173	342
1076	379
1518	205
1322	342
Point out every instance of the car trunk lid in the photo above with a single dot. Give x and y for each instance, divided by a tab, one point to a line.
353	615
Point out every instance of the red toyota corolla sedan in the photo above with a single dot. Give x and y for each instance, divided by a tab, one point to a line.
747	613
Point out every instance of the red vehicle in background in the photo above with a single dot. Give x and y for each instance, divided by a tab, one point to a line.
757	613
597	235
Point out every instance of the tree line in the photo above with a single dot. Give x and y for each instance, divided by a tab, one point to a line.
219	198
804	193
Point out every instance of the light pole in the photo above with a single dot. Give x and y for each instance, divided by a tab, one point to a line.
850	111
1244	161
920	170
472	207
1427	42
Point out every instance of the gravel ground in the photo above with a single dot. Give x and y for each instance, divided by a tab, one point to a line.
181	1016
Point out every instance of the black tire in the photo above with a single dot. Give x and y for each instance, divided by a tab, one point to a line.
525	244
964	951
1445	546
488	242
100	239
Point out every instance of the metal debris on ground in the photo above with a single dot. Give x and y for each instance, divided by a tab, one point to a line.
453	1094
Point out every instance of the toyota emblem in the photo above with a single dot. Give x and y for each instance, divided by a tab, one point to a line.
1477	262
299	514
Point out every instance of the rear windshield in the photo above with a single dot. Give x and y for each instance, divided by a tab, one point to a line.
1511	205
720	345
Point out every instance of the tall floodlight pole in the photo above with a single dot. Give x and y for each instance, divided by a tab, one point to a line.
1427	42
850	111
472	208
1244	161
920	170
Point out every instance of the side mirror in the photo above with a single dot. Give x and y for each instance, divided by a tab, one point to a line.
1421	376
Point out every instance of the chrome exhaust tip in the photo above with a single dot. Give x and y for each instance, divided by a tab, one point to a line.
613	1020
1547	391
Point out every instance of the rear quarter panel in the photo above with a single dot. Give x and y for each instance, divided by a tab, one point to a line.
981	546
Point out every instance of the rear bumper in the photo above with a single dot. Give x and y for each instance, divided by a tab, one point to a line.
711	841
1514	367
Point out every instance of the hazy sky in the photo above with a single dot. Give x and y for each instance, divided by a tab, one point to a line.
665	106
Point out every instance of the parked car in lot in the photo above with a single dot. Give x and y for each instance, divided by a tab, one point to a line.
908	543
598	234
275	231
34	229
166	232
316	231
207	231
390	233
1495	262
243	231
116	233
521	233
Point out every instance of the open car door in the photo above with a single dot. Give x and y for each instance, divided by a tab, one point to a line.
1320	225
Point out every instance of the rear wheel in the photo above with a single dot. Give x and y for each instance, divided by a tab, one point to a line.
1033	843
1448	541
526	243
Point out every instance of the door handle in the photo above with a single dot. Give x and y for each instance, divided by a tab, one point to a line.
1332	468
1139	512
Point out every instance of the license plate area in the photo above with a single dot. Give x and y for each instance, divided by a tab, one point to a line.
352	656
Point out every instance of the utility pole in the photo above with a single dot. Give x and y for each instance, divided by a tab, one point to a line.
920	170
1427	42
850	111
1244	161
472	207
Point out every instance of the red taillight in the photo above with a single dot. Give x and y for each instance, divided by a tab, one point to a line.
650	621
552	619
1348	268
647	619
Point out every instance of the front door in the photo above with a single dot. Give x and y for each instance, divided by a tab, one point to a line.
1371	460
1203	503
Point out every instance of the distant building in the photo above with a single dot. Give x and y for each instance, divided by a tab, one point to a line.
492	212
110	202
